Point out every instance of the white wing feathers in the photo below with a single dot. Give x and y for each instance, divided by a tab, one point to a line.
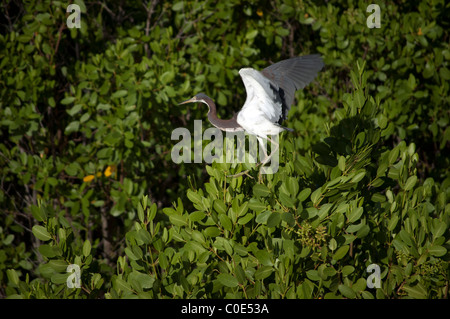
260	112
259	95
270	92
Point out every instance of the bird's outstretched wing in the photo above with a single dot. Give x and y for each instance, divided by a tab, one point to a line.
290	75
270	92
262	96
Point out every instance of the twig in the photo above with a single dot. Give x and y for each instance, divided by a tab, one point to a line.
147	24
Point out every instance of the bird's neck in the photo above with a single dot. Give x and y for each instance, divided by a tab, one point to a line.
211	107
224	125
212	111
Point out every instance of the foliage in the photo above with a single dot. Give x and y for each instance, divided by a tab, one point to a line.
86	117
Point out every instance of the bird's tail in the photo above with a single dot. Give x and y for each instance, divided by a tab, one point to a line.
285	128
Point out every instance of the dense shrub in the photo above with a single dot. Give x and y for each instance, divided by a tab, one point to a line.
87	178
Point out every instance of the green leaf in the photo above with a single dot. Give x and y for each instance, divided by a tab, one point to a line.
263	217
220	207
75	109
194	197
178	6
274	219
417	291
288	218
286	200
227	246
240	274
367	295
58	265
400	246
145	280
227	280
178	220
347	270
388	131
405	237
332	244
119	94
347	291
412	81
378	198
256	205
212	231
358	177
59	278
393	155
292	185
245	219
304	194
72	127
323	211
167	77
197	216
198	237
72	169
40	213
410	183
140	211
313	275
437	251
12	276
393	222
327	160
226	222
382	169
341	252
438	229
355	214
444	73
315	196
130	253
86	248
263	257
242	209
49	251
67	100
240	249
163	261
251	34
341	163
152	213
144	235
122	285
261	190
263	272
41	233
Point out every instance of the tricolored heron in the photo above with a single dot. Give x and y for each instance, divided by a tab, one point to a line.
270	94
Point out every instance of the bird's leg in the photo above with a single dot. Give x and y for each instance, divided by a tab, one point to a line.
268	157
263	162
263	147
246	171
272	151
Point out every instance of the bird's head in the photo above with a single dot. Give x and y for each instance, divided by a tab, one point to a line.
201	97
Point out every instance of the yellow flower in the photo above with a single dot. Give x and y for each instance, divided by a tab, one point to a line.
259	12
420	32
109	170
88	178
